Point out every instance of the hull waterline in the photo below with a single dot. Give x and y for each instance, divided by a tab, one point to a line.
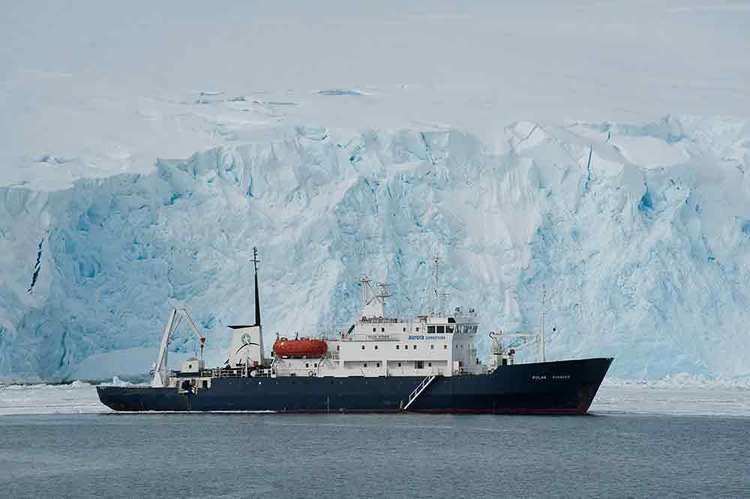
561	387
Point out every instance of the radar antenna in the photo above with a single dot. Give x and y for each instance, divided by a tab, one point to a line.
373	298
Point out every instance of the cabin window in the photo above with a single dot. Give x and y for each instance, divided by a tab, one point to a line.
365	364
399	364
376	347
429	364
441	330
505	362
374	329
432	347
430	329
205	383
404	329
315	365
414	347
406	347
363	347
417	328
398	347
307	365
419	364
445	347
338	347
382	330
377	365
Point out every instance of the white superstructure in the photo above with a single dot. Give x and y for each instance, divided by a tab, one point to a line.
440	344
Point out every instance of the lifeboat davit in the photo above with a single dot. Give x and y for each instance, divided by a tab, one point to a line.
299	347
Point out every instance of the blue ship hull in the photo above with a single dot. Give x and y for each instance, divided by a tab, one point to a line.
562	387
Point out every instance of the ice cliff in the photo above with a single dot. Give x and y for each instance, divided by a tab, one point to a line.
637	234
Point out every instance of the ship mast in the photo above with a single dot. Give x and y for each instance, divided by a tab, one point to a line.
436	276
541	328
257	296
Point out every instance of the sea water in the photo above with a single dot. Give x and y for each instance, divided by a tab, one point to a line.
250	455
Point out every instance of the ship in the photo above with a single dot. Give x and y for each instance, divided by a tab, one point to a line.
380	364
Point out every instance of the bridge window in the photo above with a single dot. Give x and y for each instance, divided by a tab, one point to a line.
430	329
441	330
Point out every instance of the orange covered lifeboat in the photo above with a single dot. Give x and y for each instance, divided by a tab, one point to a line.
299	347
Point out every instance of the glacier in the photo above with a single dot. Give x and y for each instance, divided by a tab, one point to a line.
637	234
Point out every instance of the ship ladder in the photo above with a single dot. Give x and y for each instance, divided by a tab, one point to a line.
414	395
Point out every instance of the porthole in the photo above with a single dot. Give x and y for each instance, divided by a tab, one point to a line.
365	364
376	347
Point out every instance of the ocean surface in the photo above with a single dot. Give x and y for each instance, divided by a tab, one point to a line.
251	455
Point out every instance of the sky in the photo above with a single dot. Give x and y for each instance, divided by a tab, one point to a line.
104	87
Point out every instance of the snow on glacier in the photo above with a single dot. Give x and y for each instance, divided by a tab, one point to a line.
642	250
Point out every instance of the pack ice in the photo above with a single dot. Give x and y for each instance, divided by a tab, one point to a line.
638	235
